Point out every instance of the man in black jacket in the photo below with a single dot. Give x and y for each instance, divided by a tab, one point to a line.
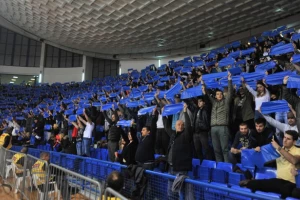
180	147
261	135
144	155
201	126
114	135
241	141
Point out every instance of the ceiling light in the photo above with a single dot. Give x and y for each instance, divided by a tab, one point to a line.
15	77
32	79
279	10
209	36
11	82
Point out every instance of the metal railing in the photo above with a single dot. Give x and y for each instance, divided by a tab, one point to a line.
72	185
87	173
13	171
109	192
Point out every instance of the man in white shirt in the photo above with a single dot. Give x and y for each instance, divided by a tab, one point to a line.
87	134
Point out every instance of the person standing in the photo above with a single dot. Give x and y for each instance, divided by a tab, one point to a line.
220	120
87	134
201	128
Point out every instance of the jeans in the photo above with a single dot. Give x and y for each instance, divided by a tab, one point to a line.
86	143
186	189
79	148
220	137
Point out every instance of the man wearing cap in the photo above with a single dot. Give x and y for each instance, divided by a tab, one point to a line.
282	127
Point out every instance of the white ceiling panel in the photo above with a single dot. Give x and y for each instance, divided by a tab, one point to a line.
140	26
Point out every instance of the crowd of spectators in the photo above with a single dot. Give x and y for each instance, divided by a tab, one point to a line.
216	125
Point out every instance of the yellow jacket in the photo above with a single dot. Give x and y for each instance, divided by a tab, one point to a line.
39	171
2	140
15	160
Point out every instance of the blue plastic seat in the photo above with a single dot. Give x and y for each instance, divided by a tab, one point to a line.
104	154
204	172
98	154
266	173
220	173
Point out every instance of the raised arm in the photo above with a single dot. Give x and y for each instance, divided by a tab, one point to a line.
73	123
87	117
273	122
107	118
230	90
206	93
82	120
286	94
289	157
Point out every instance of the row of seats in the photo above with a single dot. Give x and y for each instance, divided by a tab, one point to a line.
216	173
99	153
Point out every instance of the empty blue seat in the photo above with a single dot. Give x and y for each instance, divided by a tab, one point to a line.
235	178
265	173
220	173
204	172
196	165
104	154
98	154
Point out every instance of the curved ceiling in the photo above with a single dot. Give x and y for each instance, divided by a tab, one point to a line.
140	26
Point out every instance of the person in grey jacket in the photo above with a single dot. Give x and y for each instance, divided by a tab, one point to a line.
291	99
220	121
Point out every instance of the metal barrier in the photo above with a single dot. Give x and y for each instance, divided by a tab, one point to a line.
71	185
112	193
39	171
13	171
81	182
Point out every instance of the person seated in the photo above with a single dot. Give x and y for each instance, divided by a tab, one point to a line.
18	159
6	139
262	135
241	141
289	160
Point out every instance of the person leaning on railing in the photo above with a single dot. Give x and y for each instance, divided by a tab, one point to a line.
18	159
6	139
39	171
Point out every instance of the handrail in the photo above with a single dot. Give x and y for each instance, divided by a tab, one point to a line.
113	192
169	176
